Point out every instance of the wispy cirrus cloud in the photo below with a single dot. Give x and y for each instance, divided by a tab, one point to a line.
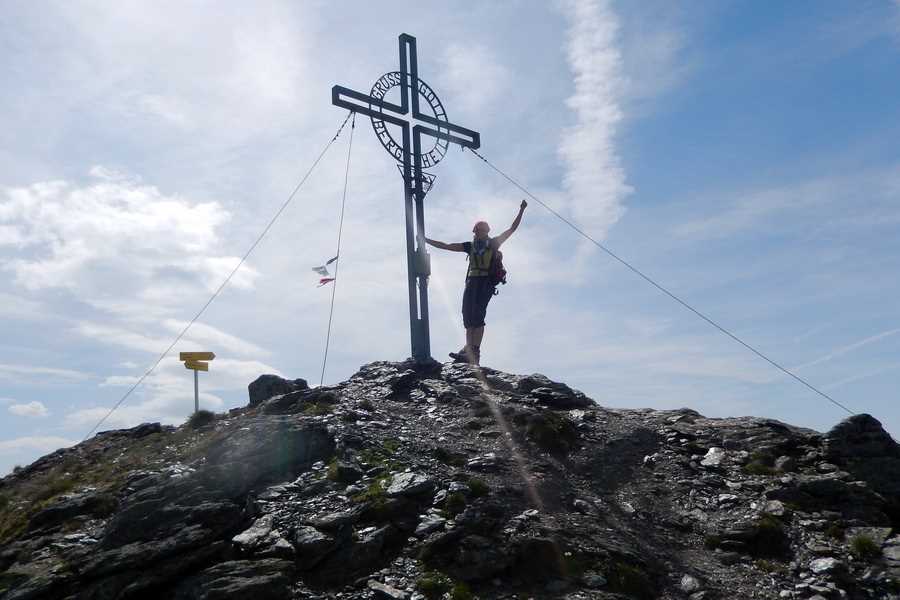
594	178
849	348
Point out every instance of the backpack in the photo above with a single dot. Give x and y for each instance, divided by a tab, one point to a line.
496	270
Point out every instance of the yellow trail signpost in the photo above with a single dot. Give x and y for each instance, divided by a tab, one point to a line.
195	362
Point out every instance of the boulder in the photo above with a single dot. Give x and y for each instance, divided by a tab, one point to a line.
86	504
267	386
409	484
268	579
859	436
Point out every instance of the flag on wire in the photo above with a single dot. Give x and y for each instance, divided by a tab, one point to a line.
323	271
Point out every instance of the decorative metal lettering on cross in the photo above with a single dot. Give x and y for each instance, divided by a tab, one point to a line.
412	159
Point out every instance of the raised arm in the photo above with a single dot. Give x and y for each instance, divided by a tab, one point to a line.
515	225
452	247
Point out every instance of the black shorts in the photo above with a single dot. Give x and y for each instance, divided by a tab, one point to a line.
476	296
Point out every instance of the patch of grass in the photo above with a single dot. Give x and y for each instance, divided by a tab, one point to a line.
455	503
448	458
381	455
864	548
318	409
332	473
835	532
434	585
771	539
552	432
461	591
761	462
54	488
375	494
711	542
478	488
104	464
10	580
201	418
768	566
755	467
630	580
4	502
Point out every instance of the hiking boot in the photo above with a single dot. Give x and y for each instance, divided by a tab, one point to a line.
461	356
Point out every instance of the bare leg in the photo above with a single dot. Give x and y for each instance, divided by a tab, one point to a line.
474	347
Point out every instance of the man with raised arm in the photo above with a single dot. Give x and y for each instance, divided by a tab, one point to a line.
482	252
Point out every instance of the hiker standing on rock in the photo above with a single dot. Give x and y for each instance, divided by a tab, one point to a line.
484	273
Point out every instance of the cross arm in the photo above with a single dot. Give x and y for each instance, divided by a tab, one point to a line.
464	137
367	105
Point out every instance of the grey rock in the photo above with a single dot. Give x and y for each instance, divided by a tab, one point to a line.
430	524
268	579
256	535
385	591
66	508
594	580
824	565
409	484
267	386
336	521
346	472
690	584
859	436
775	508
311	546
485	462
714	457
785	464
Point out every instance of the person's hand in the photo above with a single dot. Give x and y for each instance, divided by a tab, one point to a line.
523	205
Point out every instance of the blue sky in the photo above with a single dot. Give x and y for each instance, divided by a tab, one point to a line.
742	154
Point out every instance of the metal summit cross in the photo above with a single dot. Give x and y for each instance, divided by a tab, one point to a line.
412	161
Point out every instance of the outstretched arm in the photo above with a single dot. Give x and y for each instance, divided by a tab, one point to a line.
453	247
515	225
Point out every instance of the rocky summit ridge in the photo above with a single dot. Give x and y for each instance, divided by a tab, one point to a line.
449	481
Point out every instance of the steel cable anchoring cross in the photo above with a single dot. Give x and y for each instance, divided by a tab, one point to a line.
413	125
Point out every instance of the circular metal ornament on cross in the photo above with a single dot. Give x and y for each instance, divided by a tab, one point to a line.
380	89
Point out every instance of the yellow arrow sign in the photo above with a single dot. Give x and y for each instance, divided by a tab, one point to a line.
196	365
196	356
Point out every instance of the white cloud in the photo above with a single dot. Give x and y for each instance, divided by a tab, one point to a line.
594	178
120	336
12	372
474	77
41	444
115	239
148	338
15	306
31	409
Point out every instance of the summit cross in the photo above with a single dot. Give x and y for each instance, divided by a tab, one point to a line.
414	126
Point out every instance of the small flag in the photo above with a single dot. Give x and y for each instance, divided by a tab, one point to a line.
323	270
325	280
